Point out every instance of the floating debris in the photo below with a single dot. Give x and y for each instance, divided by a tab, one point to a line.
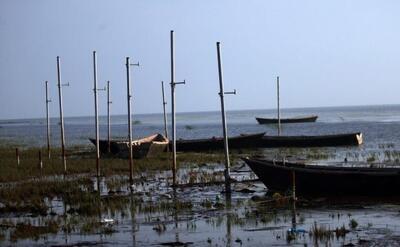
107	221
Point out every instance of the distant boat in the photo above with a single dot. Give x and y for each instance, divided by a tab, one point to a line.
326	180
217	143
144	147
304	119
279	120
350	139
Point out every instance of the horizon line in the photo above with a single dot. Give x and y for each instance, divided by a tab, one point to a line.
204	111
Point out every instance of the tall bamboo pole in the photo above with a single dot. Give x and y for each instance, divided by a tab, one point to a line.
108	118
128	90
129	96
48	119
173	109
96	115
173	83
61	114
224	126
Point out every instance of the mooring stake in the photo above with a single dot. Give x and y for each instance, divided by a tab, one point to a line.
224	125
129	96
48	119
60	85
96	112
108	118
96	108
173	84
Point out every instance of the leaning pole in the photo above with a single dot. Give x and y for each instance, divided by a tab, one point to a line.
223	114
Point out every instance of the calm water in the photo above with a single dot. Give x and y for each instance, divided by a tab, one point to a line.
379	124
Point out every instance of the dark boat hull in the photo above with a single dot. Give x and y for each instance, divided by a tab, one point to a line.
103	146
237	142
287	120
351	139
145	147
323	180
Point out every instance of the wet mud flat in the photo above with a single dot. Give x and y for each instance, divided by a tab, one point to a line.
84	211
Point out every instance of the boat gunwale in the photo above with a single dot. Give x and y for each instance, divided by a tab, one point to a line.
307	168
282	137
215	139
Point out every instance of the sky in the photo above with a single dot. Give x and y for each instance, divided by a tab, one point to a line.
327	53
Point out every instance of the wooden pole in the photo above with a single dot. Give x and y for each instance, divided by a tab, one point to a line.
279	113
48	119
17	156
224	126
165	114
61	114
173	83
129	96
128	89
108	118
96	116
173	109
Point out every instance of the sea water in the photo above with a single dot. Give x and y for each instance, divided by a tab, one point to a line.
379	124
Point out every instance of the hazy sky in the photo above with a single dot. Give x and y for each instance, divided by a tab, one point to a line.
327	53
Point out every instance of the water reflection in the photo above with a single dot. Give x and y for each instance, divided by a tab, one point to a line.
228	206
175	202
133	220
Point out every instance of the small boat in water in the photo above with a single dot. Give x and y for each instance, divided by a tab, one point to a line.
304	119
326	180
217	143
144	147
350	139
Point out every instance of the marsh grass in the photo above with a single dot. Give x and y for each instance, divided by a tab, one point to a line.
320	232
353	224
341	232
28	191
78	195
32	196
81	160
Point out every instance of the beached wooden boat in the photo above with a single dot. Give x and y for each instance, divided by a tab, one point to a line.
217	143
304	119
326	180
350	139
144	147
103	146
